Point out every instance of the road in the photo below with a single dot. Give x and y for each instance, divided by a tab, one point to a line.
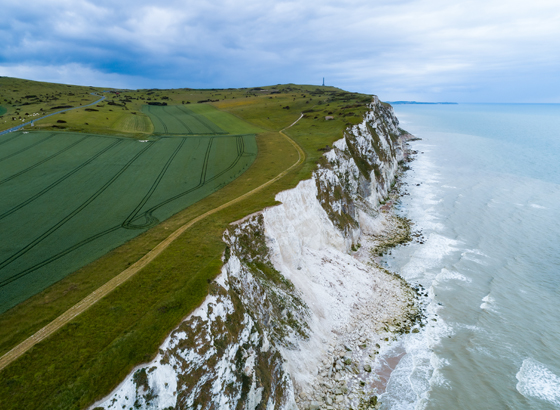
122	277
51	114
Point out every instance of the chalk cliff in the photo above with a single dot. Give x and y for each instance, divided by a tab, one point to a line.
301	310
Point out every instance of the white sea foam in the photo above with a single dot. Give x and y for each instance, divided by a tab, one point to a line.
467	256
500	227
428	256
475	252
538	206
536	381
399	395
487	302
480	350
447	275
411	382
438	380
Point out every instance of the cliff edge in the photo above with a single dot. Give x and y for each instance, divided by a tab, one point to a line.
301	310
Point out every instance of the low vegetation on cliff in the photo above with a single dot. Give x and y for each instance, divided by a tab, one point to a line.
89	357
305	308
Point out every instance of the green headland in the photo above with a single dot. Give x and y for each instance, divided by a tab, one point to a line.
87	193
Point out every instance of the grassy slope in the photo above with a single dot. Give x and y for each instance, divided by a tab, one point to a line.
23	98
311	132
223	120
87	358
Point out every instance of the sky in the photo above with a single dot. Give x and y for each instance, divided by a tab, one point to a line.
422	50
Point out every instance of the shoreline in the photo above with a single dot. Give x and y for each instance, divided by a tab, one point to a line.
400	234
302	314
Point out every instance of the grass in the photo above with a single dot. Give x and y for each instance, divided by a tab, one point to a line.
177	119
25	100
224	120
70	198
89	357
107	120
136	124
73	368
312	132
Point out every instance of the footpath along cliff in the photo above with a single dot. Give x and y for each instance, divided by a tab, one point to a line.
301	309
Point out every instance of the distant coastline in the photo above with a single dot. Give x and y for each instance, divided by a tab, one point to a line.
415	102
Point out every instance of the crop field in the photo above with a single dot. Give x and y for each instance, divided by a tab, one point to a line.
88	357
177	119
135	124
69	198
224	120
180	120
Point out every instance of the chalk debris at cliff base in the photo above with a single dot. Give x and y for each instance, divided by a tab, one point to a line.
302	309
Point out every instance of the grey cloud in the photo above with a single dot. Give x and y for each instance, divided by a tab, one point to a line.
422	49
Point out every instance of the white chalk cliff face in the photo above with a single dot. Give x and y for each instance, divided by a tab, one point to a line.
300	311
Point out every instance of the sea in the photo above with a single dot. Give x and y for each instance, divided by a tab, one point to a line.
484	198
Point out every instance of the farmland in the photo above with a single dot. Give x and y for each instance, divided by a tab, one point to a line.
89	356
177	119
183	120
70	198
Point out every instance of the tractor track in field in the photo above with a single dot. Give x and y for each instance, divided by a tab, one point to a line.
203	181
59	255
8	139
13	154
128	221
147	215
207	125
122	277
158	118
202	120
43	161
189	131
88	201
58	181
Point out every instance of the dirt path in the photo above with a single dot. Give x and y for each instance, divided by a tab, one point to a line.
122	277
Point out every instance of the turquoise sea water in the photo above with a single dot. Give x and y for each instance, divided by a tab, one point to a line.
485	192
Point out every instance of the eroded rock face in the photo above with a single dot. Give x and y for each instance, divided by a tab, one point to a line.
300	311
225	355
355	306
357	174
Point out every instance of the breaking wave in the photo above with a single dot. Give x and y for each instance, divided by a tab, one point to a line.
536	381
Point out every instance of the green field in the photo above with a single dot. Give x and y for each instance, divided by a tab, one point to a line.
201	119
3	110
69	198
88	357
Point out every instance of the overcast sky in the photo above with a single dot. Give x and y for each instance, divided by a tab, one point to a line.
424	50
